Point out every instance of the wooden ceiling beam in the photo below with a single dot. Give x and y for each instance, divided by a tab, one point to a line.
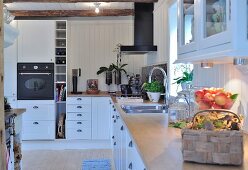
72	13
75	1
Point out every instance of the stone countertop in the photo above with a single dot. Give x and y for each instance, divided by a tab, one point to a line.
15	112
160	146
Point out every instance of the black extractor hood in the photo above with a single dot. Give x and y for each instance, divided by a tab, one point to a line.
143	30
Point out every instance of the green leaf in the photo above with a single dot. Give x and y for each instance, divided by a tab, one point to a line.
101	70
234	96
123	65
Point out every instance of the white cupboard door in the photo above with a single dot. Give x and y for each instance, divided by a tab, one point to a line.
101	118
187	26
36	41
215	23
38	130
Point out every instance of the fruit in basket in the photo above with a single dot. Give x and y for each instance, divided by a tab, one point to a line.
214	98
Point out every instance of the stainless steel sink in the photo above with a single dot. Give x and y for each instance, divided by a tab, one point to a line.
146	108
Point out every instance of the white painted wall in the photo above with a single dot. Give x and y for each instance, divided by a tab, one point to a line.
91	44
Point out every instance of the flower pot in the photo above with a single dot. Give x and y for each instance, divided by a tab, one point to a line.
153	96
186	85
117	77
108	77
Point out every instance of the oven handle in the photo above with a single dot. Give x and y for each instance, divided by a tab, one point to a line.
35	73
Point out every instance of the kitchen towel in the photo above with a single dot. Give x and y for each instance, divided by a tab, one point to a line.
96	164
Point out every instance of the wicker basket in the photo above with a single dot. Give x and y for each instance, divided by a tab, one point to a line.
213	147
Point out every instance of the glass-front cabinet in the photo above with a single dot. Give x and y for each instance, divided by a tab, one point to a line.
210	29
216	22
187	26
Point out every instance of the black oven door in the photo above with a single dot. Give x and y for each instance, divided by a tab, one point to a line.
35	85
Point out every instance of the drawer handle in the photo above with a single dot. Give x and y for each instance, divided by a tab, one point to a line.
79	99
113	137
130	166
79	114
117	116
35	107
79	107
114	110
122	128
79	130
115	121
114	143
79	123
35	123
113	116
130	144
110	102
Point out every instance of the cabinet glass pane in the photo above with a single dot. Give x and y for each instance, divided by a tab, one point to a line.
215	21
188	21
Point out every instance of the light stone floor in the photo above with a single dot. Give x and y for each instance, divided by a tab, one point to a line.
61	159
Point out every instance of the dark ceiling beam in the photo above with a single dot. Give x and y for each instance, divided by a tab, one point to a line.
75	1
72	13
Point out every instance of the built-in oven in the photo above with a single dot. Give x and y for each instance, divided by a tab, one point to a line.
35	81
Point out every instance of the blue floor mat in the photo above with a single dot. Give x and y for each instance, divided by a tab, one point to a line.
96	164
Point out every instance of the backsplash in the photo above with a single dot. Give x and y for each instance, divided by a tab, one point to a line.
157	74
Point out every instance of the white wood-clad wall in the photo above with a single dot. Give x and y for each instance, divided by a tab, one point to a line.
229	77
160	33
91	45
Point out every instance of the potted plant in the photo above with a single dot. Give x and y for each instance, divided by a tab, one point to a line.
117	71
108	71
153	90
185	80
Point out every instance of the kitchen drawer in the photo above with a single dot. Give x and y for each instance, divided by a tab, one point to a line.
78	124
72	132
78	100
38	130
79	108
78	116
39	112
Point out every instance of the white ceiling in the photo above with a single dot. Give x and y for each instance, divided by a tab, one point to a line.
68	6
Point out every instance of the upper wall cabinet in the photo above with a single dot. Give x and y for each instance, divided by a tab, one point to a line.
213	30
36	41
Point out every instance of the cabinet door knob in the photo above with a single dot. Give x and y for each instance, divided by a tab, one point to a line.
114	110
113	116
117	116
130	144
79	107
122	128
35	107
114	143
79	130
79	98
79	114
79	123
113	137
130	166
114	121
35	123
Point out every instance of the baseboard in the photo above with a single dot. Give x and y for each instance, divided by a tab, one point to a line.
62	144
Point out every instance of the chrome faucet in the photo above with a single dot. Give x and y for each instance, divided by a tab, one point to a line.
166	85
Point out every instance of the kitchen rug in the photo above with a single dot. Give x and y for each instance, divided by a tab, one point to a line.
96	164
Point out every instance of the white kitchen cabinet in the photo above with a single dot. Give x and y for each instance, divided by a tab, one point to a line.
78	118
39	119
212	30
125	153
101	118
187	26
36	41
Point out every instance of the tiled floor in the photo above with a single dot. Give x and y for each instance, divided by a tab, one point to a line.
61	159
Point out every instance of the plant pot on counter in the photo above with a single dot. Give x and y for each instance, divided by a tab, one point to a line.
108	77
117	77
153	96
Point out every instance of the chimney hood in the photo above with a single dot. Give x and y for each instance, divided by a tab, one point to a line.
143	30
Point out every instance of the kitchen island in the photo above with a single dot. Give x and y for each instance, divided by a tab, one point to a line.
160	146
